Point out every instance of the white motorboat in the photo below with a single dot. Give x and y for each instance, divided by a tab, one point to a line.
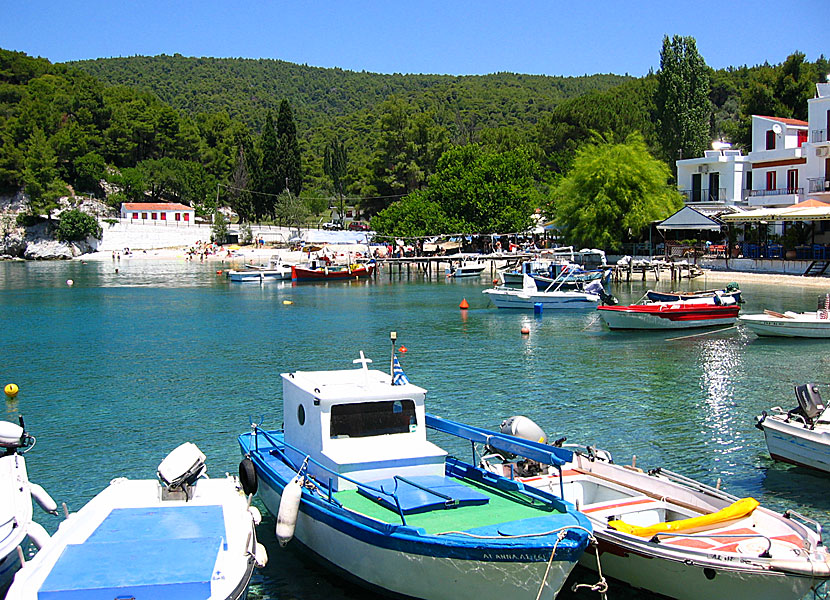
467	268
16	493
800	436
791	324
275	270
179	536
673	536
353	478
553	297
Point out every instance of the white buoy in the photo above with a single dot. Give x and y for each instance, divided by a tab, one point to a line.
289	508
37	534
43	498
260	555
70	283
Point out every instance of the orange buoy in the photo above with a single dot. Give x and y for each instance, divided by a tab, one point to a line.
219	272
402	349
525	330
464	305
495	282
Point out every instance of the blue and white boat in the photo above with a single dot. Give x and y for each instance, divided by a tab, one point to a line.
353	478
528	297
183	536
16	493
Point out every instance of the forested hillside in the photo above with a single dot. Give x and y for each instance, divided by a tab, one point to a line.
245	131
247	89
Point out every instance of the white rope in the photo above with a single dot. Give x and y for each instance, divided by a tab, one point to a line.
600	586
550	562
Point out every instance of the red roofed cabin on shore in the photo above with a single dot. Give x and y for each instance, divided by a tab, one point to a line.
161	213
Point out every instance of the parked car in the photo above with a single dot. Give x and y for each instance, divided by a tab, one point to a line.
332	226
358	226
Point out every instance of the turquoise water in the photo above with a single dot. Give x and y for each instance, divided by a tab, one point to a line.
120	368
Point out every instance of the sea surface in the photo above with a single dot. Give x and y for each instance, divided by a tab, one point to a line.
122	366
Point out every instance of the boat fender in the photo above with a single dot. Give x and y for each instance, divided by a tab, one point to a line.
256	516
289	508
43	498
260	556
247	476
37	534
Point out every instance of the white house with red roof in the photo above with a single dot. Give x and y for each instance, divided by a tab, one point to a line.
158	213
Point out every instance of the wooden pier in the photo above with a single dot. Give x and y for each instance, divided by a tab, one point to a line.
430	265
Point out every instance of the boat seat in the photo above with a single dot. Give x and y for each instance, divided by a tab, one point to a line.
423	493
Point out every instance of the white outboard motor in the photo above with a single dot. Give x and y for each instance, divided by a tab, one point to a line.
522	427
180	470
12	437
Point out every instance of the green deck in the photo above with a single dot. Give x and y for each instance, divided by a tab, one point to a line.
502	507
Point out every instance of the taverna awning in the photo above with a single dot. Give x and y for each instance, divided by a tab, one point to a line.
809	210
688	218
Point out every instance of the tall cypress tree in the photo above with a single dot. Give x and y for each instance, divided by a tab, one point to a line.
271	181
289	150
682	100
334	165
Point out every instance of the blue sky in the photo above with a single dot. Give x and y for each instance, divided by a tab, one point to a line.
458	37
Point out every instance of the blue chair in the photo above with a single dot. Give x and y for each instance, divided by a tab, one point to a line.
818	251
802	252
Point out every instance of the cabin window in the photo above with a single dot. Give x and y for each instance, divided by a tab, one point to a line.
366	419
301	415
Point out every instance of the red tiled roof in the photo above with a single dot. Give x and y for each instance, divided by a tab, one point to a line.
154	206
783	120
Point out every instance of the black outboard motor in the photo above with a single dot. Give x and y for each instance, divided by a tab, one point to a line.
810	405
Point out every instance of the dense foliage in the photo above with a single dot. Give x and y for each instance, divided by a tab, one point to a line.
613	193
411	149
472	191
75	225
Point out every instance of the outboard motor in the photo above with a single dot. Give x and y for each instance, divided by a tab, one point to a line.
810	404
526	429
180	470
13	437
595	287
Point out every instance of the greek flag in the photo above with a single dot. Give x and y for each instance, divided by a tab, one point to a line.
398	376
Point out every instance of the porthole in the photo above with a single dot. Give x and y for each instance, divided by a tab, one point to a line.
301	415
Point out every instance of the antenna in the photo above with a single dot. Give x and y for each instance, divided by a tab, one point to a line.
776	127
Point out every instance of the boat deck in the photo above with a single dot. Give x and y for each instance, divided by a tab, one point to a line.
503	506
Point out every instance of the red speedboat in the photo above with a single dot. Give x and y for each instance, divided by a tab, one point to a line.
331	272
668	315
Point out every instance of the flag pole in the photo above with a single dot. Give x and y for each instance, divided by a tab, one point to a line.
393	337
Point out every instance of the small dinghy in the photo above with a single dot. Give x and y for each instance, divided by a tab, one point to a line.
670	535
353	478
791	324
180	536
16	493
800	436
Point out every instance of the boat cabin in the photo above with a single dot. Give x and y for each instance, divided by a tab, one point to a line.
356	423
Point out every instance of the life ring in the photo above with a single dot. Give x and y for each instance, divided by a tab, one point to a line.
247	476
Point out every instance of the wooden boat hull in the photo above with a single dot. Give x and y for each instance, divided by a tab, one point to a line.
331	273
404	561
801	325
668	316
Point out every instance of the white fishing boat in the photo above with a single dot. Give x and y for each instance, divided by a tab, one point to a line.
673	536
180	536
554	297
16	493
800	436
275	270
791	324
354	480
467	268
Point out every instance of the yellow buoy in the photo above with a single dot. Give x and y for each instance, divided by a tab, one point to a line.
11	390
287	302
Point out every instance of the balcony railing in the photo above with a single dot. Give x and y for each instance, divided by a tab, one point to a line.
781	192
818	135
704	195
818	184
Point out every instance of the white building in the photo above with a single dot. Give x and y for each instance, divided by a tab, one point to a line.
817	169
715	181
158	213
779	158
